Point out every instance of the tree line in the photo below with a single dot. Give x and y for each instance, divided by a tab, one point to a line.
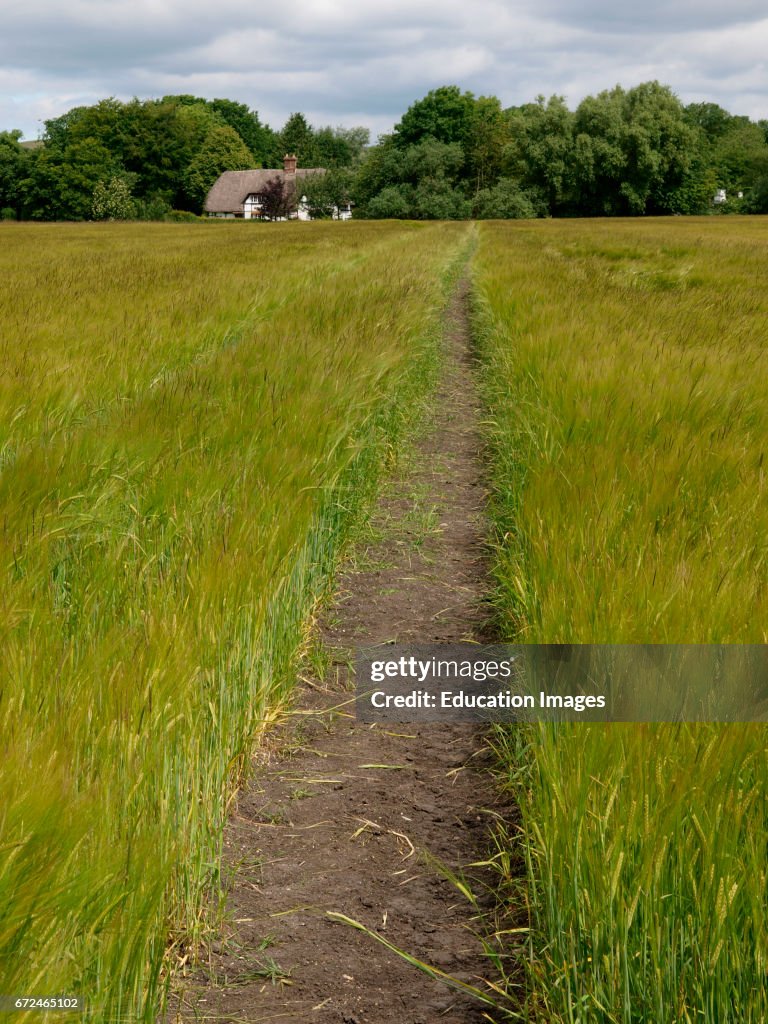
147	159
452	155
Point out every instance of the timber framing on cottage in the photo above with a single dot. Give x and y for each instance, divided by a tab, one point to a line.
241	193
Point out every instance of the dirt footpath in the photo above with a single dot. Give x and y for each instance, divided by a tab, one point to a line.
357	819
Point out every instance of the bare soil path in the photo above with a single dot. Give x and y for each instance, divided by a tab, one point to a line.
318	829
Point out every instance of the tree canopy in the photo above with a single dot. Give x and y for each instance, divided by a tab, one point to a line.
622	152
166	153
452	154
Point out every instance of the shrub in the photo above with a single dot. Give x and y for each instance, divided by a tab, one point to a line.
181	217
504	201
113	200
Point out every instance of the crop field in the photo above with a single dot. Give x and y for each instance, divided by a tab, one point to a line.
625	368
189	420
194	419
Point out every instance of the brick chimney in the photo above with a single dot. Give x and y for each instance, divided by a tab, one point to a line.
289	163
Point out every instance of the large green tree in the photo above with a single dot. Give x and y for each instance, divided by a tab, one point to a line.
488	137
12	163
166	149
59	184
327	193
540	152
623	151
632	151
298	138
731	153
740	157
258	138
444	114
420	181
222	150
339	147
711	119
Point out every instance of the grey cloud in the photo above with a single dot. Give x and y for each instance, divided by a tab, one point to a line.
654	15
365	61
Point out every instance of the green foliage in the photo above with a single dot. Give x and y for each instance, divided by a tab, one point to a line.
58	130
541	151
180	217
112	200
756	200
504	201
435	198
168	149
431	158
445	114
320	147
394	201
59	183
222	150
297	138
632	150
625	152
622	152
257	138
154	208
487	140
420	181
711	119
327	193
338	147
740	156
12	163
696	191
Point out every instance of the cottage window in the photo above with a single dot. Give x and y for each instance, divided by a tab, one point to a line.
253	206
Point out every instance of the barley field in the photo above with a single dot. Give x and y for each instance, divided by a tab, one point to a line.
191	418
624	369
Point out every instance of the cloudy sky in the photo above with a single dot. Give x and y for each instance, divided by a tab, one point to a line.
364	61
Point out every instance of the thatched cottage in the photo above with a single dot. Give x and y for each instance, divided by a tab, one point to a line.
242	193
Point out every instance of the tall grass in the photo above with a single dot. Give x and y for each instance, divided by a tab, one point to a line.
191	419
624	372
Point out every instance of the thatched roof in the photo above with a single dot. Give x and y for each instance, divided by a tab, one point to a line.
229	192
